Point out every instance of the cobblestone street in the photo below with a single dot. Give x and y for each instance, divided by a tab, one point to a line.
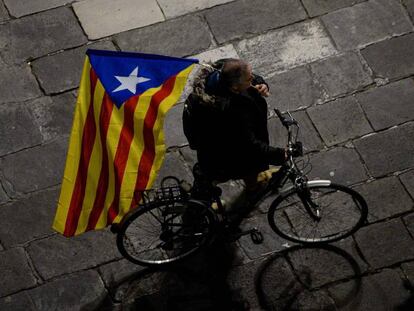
343	68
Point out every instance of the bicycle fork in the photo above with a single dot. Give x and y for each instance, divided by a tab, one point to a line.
311	207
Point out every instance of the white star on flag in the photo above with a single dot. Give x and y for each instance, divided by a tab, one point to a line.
130	82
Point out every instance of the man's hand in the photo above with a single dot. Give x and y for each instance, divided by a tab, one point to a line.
263	89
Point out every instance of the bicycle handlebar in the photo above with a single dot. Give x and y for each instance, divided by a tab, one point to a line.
286	123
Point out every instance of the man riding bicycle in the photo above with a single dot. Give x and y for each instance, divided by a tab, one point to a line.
225	121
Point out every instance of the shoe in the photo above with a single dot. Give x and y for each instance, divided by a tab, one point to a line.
215	207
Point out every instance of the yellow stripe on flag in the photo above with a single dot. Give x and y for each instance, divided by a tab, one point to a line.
74	150
135	153
95	163
113	136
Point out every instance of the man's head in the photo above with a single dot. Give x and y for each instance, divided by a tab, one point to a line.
236	75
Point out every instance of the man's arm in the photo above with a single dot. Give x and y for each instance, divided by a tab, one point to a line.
245	128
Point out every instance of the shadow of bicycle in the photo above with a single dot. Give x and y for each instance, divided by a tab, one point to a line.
195	284
301	277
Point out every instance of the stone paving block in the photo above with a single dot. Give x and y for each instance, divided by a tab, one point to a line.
172	8
29	218
319	7
340	120
148	284
409	222
101	18
23	174
18	129
408	181
39	34
409	4
366	23
117	272
241	281
294	89
173	165
307	133
388	151
340	165
189	155
210	56
17	302
289	47
274	281
3	13
54	114
408	269
341	74
191	31
306	300
79	291
116	276
59	255
391	58
173	127
382	291
271	243
389	105
25	89
385	243
318	266
247	17
347	249
385	198
232	193
61	72
15	272
18	8
3	196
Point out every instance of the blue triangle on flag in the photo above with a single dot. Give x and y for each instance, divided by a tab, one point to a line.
125	74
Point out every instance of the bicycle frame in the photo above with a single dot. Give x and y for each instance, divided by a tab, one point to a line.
288	172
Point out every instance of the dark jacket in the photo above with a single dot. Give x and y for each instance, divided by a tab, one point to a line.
231	129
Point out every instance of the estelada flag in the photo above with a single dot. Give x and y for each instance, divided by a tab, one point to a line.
117	143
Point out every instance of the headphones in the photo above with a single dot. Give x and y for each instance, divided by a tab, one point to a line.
213	82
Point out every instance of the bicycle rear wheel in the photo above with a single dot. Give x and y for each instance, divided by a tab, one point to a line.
326	213
165	232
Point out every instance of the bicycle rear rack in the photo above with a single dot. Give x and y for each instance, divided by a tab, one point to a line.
165	194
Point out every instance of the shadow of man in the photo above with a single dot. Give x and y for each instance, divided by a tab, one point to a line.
198	283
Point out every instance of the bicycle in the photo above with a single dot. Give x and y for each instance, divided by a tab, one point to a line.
169	225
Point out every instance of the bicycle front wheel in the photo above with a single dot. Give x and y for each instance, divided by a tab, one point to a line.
165	232
318	214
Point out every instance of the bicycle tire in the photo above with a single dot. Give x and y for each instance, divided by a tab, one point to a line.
288	216
155	235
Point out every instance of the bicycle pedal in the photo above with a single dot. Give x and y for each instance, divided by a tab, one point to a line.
256	236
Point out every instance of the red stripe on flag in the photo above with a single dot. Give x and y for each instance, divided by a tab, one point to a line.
148	155
98	205
88	139
122	152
